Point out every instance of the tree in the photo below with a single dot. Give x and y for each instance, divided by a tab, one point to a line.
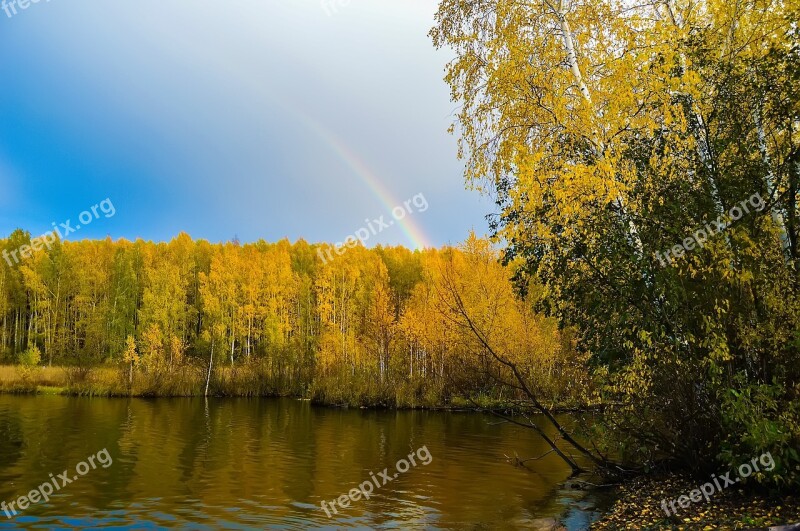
608	133
131	358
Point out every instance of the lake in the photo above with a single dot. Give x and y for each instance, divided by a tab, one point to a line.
270	463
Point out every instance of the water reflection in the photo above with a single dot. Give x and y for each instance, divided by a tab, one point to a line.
255	464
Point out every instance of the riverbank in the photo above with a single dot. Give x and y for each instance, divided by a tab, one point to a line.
639	507
241	382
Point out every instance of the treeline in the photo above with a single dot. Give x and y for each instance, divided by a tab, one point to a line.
266	318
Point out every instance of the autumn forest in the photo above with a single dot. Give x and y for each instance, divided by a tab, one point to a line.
189	317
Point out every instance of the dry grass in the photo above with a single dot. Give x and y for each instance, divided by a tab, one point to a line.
109	381
47	376
15	379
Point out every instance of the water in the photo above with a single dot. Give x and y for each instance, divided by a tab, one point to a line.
258	464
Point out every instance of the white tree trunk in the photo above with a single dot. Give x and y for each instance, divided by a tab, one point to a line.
572	60
769	179
210	367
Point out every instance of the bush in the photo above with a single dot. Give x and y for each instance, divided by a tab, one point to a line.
760	418
31	357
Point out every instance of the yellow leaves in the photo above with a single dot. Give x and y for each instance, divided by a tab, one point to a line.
247	295
177	348
354	307
521	102
130	355
153	349
470	281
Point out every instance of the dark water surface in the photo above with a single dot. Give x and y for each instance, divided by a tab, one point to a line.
268	464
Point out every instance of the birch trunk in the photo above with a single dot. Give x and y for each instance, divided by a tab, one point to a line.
572	61
210	367
769	178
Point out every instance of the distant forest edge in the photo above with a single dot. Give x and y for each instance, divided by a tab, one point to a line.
370	327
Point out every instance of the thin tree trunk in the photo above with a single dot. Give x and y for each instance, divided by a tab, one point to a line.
210	367
572	61
769	178
461	310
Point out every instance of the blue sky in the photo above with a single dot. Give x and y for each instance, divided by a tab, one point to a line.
228	118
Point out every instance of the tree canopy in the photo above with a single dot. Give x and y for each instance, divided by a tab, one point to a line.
609	132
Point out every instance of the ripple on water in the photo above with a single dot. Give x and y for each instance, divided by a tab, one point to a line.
256	464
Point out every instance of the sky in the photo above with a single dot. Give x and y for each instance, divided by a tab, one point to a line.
256	119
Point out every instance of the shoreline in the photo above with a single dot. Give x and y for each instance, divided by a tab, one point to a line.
103	382
638	507
45	390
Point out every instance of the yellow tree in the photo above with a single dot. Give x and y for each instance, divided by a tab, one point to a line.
50	280
215	310
505	338
279	292
165	305
131	357
430	338
152	349
379	317
613	132
5	299
220	294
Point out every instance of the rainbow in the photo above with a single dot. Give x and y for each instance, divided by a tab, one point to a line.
416	236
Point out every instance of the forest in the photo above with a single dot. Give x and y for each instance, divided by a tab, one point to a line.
189	317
